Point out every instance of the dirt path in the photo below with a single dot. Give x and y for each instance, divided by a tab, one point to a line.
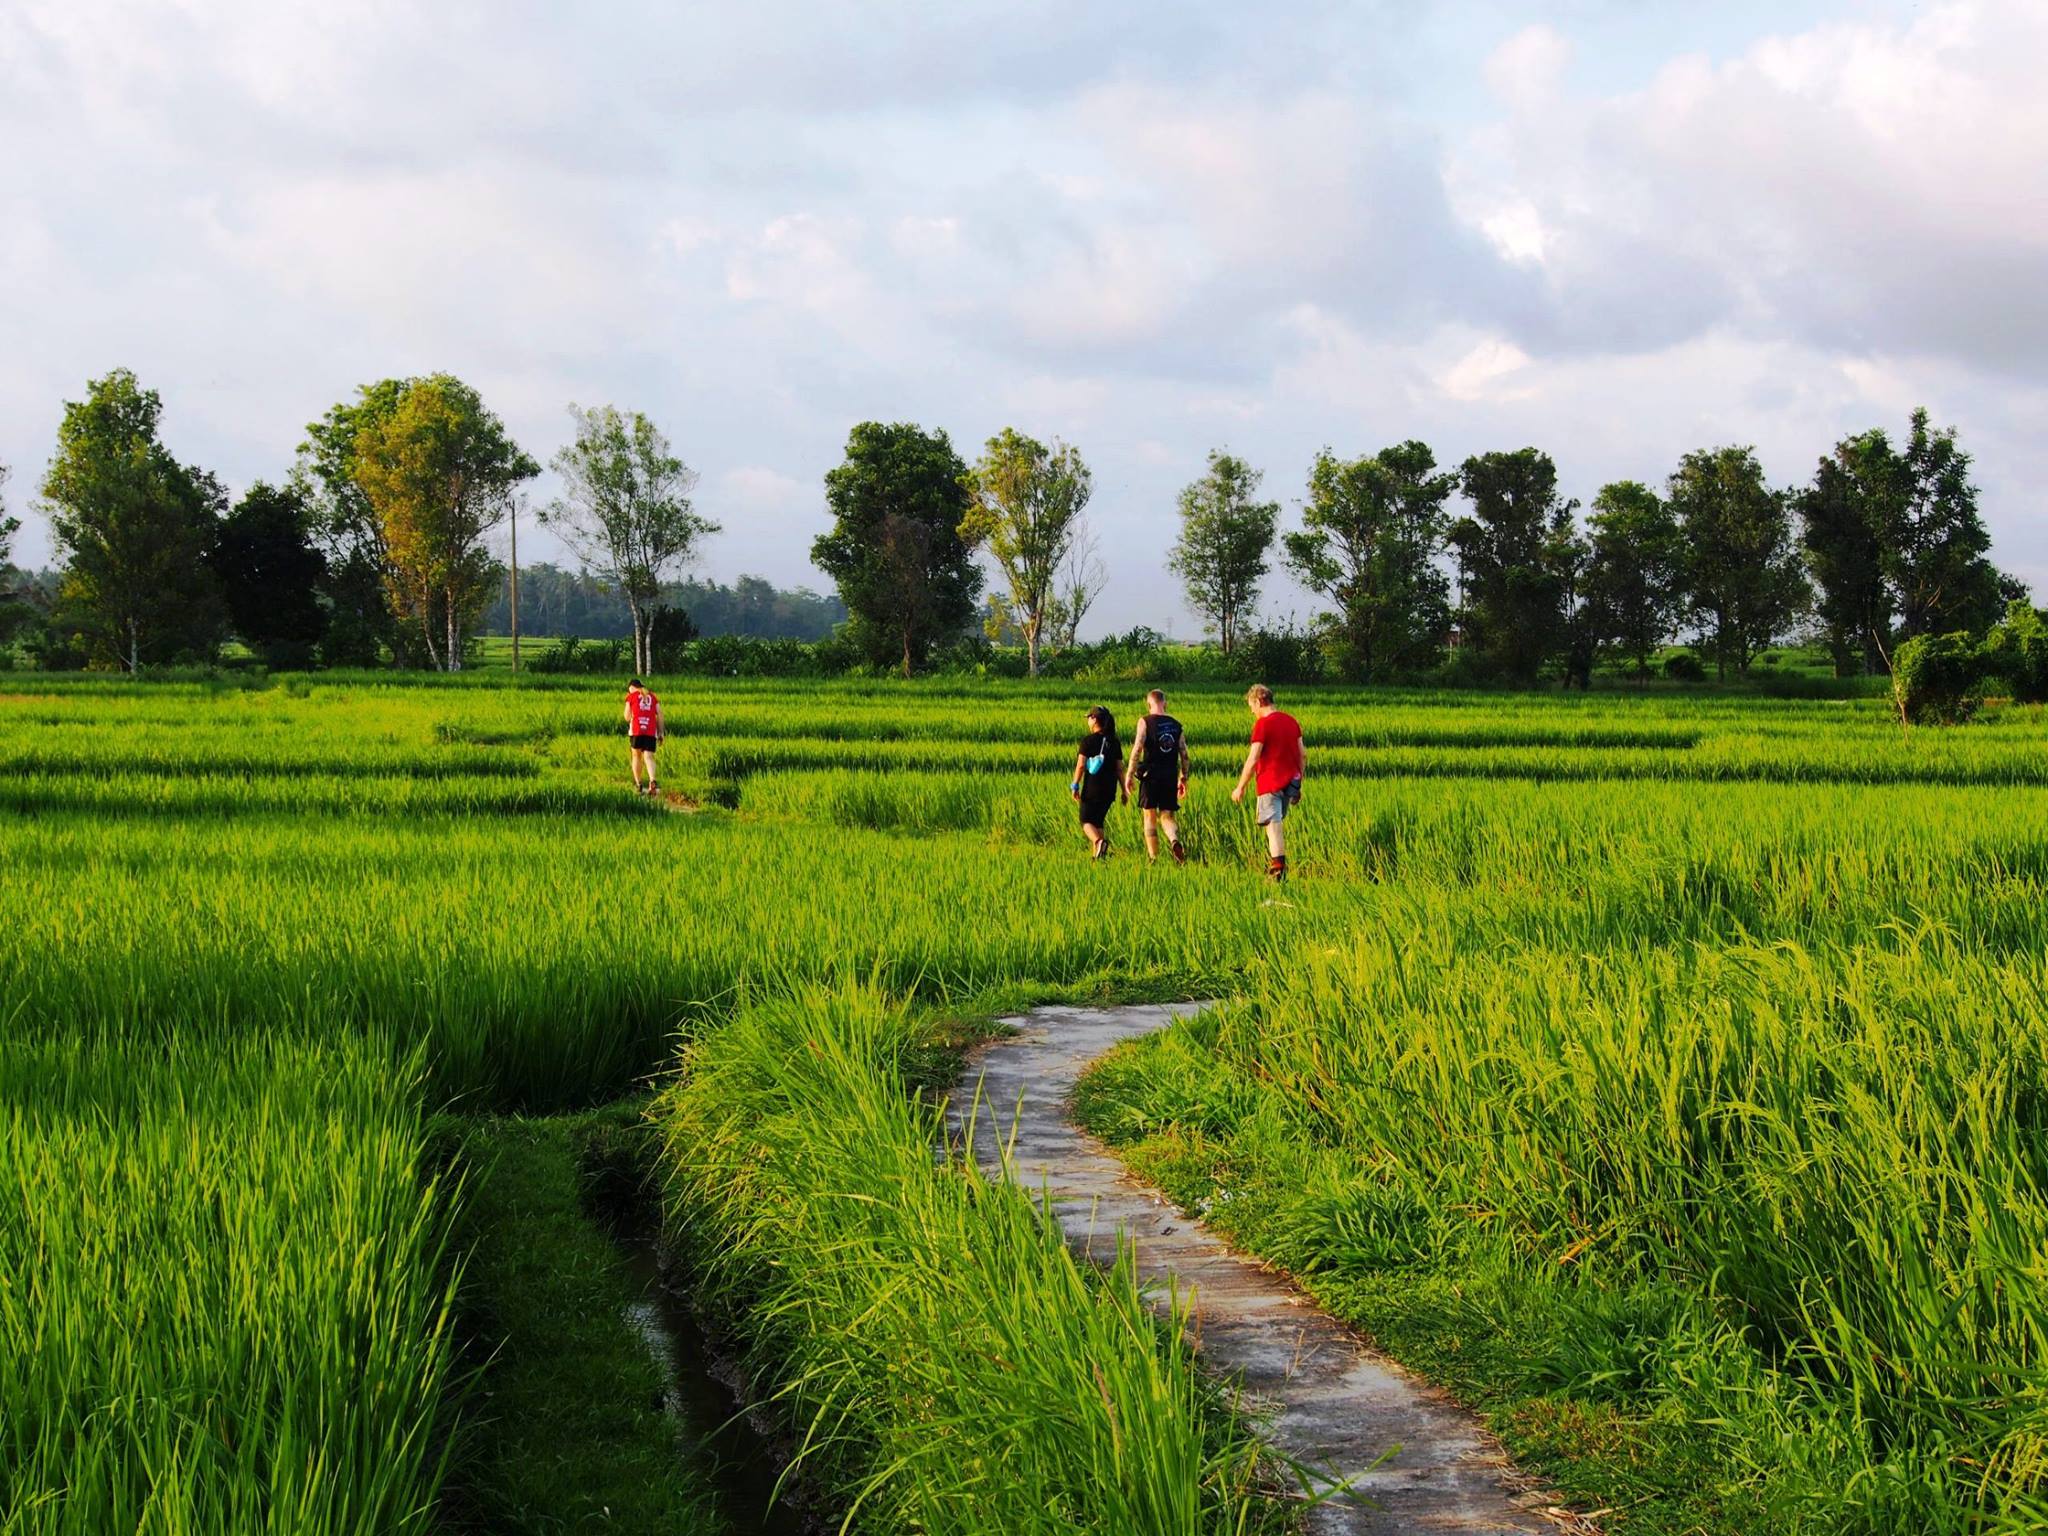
1335	1404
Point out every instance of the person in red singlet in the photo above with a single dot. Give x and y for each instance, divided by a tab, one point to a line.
1275	761
643	730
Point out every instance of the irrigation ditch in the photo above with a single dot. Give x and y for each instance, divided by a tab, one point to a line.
611	1392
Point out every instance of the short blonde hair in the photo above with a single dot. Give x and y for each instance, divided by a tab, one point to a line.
1258	693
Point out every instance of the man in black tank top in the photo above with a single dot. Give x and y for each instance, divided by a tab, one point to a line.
1158	772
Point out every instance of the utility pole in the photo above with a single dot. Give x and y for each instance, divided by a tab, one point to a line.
515	586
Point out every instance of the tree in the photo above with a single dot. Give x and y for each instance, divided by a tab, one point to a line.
1636	579
1025	510
1935	545
626	510
1742	573
13	612
1371	532
1226	538
439	472
2017	650
9	526
1842	533
1080	583
134	528
1507	551
361	621
895	549
1582	619
271	576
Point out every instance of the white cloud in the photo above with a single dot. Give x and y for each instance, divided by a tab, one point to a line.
757	487
1528	68
1150	232
1487	372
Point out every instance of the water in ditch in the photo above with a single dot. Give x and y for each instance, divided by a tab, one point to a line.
708	1419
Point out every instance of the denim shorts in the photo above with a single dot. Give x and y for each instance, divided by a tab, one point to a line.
1274	807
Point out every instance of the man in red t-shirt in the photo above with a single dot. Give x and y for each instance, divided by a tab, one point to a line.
1275	761
643	732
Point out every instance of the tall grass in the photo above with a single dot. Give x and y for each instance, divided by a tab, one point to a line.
223	1295
1839	1154
1525	1026
946	1363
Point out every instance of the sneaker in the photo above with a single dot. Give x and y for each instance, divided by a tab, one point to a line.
653	790
1276	869
1180	854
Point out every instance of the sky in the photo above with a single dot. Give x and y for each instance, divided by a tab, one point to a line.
1617	230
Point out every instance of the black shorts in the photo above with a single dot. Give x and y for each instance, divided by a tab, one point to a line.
1153	796
1095	812
645	743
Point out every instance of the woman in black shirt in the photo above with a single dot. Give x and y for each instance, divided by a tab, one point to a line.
1098	778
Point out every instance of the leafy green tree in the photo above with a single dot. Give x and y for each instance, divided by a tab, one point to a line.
1939	679
895	549
134	528
1742	573
1371	532
1226	541
2017	650
439	472
361	622
271	575
1583	623
1935	544
1842	525
626	511
1025	508
1635	583
1507	551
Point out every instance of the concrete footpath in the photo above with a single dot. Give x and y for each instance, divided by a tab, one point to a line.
1415	1460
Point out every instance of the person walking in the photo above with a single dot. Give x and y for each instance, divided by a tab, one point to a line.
1159	773
1098	775
643	732
1275	764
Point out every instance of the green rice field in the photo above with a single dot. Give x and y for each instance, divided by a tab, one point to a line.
1665	1073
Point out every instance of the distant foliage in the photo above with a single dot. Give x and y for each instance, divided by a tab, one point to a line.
1372	529
1939	679
1516	558
1684	667
135	529
895	549
1226	539
2016	651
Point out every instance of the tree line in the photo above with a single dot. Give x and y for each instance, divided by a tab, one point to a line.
1886	544
374	546
559	601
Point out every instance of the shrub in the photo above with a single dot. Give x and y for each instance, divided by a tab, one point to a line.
1286	655
2017	651
1939	679
1684	667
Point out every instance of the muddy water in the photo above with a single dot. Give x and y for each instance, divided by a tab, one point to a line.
708	1420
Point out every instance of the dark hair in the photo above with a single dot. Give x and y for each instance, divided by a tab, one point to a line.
1105	722
634	682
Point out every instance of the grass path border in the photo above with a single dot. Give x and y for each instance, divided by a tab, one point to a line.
1417	1460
